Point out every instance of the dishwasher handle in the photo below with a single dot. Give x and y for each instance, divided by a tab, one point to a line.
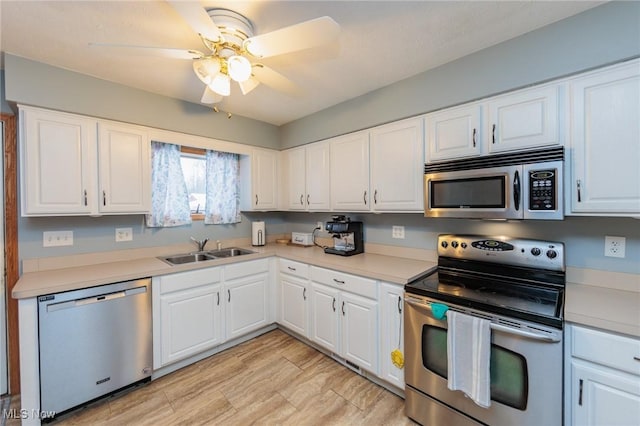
95	299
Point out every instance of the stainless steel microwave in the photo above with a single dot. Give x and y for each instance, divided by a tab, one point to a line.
522	185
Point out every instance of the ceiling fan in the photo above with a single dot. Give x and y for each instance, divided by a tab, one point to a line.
232	48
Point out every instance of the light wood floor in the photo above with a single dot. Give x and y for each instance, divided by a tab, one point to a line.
273	379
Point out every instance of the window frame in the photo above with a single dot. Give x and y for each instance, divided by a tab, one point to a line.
200	152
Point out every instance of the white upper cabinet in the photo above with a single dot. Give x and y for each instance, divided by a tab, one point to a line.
69	168
260	180
524	119
350	172
125	169
397	166
605	142
307	177
454	132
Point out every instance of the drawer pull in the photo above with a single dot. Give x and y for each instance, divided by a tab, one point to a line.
290	268
338	281
637	358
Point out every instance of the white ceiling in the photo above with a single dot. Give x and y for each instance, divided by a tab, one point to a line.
381	42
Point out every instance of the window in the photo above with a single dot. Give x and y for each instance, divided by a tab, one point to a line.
194	163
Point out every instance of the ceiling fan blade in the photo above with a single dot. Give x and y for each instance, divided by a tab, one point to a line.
275	80
295	37
197	18
166	52
248	85
210	97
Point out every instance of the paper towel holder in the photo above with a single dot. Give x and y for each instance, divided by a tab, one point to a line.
257	233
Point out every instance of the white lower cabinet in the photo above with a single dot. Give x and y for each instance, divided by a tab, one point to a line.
345	316
391	331
187	311
294	295
246	297
603	378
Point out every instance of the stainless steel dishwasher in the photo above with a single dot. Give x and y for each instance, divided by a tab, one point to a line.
93	342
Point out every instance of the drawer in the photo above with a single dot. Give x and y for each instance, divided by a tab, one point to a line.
190	279
609	349
242	269
358	285
294	268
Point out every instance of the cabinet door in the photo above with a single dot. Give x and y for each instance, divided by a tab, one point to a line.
605	142
246	304
359	331
125	170
264	179
397	168
296	172
453	133
318	176
58	154
523	120
391	332
604	397
324	323
191	322
294	302
350	172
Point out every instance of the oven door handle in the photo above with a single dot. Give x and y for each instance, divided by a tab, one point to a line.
495	326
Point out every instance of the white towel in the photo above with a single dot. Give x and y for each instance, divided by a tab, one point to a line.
469	349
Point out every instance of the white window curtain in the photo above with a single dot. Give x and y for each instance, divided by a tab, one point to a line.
223	183
169	196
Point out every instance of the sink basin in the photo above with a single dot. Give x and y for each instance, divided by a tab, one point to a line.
229	252
179	259
187	258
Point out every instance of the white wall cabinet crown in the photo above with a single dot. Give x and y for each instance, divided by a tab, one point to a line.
605	142
307	177
379	169
76	165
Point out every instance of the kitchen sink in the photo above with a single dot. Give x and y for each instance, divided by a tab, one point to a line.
229	252
180	259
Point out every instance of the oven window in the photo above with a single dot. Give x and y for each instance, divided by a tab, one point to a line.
484	192
509	375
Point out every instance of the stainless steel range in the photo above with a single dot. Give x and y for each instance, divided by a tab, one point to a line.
516	287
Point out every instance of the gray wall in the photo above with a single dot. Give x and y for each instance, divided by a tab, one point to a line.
599	36
35	83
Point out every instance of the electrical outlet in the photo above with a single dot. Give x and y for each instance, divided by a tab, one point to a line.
614	246
57	238
124	234
397	232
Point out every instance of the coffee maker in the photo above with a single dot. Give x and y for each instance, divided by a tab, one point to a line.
347	236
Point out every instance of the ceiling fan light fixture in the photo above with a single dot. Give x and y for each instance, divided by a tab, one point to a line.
239	68
206	69
221	84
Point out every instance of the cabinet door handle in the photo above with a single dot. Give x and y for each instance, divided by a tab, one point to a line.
493	134
637	358
218	298
474	137
228	295
104	198
399	304
338	281
578	185
364	197
580	393
307	199
85	198
304	294
291	268
301	197
375	197
334	304
343	313
256	199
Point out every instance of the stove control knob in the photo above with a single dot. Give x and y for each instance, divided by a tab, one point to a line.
454	244
463	245
535	251
444	244
551	254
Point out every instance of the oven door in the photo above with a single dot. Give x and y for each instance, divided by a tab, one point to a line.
526	371
488	193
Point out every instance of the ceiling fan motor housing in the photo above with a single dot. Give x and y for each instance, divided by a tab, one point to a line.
235	29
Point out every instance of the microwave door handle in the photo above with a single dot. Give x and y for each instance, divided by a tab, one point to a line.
516	190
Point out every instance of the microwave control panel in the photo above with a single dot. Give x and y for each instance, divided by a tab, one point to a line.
542	189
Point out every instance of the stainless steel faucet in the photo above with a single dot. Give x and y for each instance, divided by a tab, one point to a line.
200	243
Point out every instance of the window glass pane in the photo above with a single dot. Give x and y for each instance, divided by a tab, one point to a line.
509	375
194	170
